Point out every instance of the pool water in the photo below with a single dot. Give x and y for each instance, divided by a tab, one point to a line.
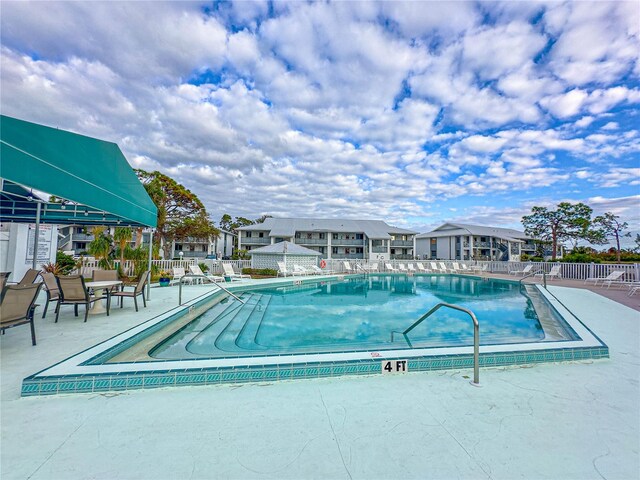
357	314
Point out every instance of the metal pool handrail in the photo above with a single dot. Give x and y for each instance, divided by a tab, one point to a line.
476	335
207	278
537	272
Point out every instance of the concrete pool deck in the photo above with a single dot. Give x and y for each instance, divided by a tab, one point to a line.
558	421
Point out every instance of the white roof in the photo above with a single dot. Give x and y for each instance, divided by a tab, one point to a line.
287	227
282	248
455	229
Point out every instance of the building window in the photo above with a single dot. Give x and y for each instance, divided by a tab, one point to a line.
335	237
308	236
248	235
80	230
178	247
334	249
261	234
359	236
433	241
297	234
321	236
81	245
359	250
393	251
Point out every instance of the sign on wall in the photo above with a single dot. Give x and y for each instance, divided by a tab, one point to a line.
44	244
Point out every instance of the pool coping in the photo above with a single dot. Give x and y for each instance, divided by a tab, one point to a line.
76	374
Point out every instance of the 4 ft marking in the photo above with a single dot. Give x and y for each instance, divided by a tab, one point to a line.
395	366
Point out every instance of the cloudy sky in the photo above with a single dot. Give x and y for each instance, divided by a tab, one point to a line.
414	113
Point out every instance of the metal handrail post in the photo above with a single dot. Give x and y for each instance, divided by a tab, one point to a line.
476	335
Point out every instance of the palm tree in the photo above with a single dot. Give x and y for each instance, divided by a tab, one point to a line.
122	236
100	247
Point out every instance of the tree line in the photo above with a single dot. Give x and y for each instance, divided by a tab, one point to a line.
573	223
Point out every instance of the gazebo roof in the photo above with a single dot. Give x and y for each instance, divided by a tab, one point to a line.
285	248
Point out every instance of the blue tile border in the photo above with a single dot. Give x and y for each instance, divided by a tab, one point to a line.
269	373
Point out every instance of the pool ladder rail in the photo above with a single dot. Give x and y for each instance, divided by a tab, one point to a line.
191	276
476	335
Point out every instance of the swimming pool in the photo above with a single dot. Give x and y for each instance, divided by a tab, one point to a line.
324	327
357	314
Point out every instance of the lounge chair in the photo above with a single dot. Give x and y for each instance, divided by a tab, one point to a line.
455	267
633	288
390	268
178	273
444	268
553	273
302	270
421	268
227	270
138	290
284	271
434	267
17	307
612	277
373	267
51	289
347	267
319	271
196	270
411	267
74	292
402	268
525	271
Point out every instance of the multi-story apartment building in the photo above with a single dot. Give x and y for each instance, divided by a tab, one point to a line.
458	241
76	239
334	239
220	246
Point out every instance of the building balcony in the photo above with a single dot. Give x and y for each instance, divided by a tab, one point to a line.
379	249
344	241
311	241
401	257
402	243
189	254
256	241
347	256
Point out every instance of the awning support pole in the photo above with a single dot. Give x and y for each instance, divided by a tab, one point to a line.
37	237
149	264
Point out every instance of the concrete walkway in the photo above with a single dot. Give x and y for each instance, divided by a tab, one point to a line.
577	420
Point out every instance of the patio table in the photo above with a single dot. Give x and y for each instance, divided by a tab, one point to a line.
99	288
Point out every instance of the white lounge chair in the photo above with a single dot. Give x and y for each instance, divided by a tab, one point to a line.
319	271
196	270
525	271
390	268
434	267
302	270
348	268
372	267
455	267
464	268
444	268
284	271
421	268
178	273
402	268
612	277
228	272
411	267
553	273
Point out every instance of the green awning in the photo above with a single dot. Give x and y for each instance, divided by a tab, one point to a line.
84	170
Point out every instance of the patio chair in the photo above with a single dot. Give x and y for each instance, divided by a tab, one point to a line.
525	271
402	268
228	272
74	292
196	270
613	276
434	267
51	289
135	293
421	268
411	267
390	267
284	271
455	267
444	268
106	276
553	273
17	307
29	277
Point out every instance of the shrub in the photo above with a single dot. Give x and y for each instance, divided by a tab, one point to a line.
204	267
264	272
580	258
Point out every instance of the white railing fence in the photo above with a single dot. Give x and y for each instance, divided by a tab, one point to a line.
215	266
574	271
